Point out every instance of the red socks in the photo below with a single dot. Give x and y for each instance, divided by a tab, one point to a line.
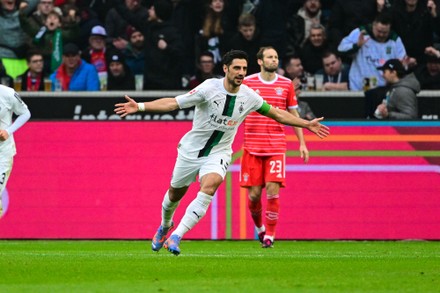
272	210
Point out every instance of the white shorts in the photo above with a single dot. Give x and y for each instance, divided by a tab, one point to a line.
5	171
186	170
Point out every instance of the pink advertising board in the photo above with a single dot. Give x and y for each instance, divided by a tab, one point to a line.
106	180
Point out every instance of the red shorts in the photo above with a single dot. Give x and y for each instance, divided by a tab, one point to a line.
257	170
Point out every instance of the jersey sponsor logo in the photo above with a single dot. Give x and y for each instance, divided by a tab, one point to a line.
223	121
192	92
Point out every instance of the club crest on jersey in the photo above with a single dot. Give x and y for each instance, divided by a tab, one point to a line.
279	90
241	108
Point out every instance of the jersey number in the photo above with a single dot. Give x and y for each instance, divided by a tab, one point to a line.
2	178
276	166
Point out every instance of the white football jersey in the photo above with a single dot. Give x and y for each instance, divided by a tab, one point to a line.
10	102
217	116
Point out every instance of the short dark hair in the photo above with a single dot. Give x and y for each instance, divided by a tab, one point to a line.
383	18
207	54
260	53
246	19
234	54
31	53
288	57
328	53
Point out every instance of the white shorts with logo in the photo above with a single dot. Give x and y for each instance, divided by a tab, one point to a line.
5	171
186	170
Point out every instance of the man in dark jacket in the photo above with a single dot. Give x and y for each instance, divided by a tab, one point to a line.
247	39
401	100
428	74
119	76
164	49
163	46
415	22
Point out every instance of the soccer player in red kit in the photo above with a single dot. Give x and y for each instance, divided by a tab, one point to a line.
264	154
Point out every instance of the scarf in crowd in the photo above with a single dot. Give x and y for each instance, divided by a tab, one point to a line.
57	46
33	83
63	77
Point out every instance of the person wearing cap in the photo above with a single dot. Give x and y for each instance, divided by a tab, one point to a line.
119	77
96	53
74	74
134	52
400	102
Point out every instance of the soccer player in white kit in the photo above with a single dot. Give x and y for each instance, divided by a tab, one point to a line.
220	107
10	102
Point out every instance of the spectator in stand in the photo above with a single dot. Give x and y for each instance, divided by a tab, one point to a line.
97	53
335	72
299	24
120	77
116	24
347	15
135	51
401	99
98	7
315	46
215	33
295	71
5	79
428	74
247	39
205	70
38	17
416	21
74	74
14	42
49	38
88	19
163	46
271	16
371	46
33	78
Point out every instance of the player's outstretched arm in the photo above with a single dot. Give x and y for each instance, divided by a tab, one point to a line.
159	106
286	118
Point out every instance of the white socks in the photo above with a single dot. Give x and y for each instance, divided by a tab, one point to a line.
194	213
168	209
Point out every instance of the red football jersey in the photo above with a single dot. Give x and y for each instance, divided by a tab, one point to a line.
263	135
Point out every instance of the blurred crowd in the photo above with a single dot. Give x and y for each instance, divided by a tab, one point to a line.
328	45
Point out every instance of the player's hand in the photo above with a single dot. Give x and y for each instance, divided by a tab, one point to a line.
432	8
130	107
304	153
362	39
4	135
317	128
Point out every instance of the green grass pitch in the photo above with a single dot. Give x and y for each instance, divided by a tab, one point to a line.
220	266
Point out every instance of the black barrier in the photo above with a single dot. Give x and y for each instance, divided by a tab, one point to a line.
99	106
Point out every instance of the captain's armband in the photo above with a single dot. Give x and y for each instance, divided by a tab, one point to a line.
264	109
